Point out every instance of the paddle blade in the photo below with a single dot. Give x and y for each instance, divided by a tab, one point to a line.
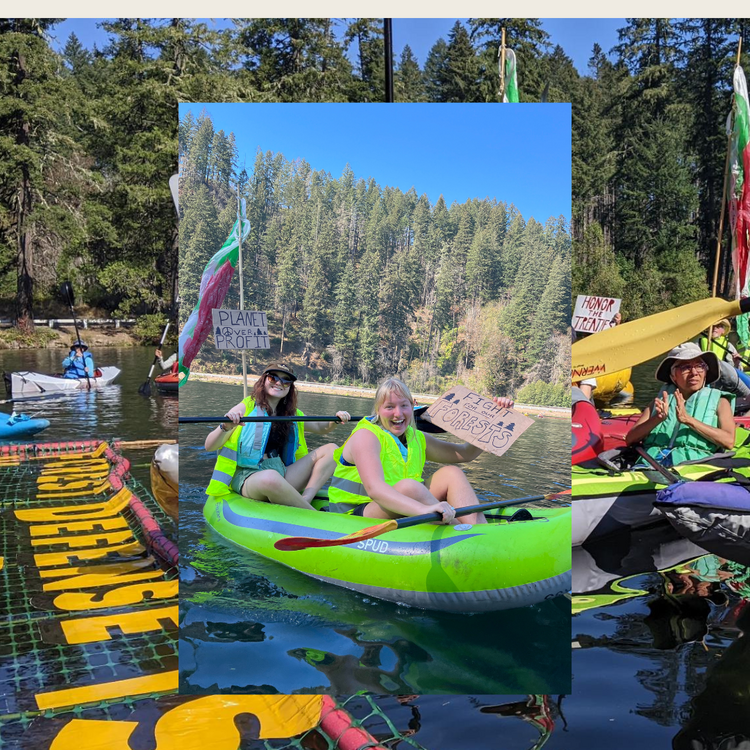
639	340
66	289
294	543
145	389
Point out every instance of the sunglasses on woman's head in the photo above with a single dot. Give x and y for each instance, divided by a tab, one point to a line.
281	381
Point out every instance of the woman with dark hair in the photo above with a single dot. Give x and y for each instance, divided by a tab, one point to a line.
269	461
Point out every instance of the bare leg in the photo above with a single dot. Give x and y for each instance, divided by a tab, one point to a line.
312	471
450	483
410	488
270	485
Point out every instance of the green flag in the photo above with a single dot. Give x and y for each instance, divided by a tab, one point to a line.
511	80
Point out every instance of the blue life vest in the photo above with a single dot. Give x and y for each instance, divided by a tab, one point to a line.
74	366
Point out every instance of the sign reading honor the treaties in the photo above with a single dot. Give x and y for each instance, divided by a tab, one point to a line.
476	419
594	314
240	329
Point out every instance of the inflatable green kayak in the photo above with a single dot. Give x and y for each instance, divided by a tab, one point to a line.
605	502
460	568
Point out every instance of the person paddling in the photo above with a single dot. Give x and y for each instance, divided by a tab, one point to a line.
688	421
270	461
79	363
379	468
167	364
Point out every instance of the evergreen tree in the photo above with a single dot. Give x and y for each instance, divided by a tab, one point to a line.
38	140
436	71
459	78
408	85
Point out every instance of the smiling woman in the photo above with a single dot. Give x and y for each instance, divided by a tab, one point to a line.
271	463
378	471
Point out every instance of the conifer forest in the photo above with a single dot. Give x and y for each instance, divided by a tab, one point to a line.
363	280
89	139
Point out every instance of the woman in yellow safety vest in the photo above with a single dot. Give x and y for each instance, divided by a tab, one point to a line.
269	461
379	468
720	344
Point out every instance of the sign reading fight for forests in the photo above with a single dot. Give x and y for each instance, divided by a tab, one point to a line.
594	314
476	419
240	329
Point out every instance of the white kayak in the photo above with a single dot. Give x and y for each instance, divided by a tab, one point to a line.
29	383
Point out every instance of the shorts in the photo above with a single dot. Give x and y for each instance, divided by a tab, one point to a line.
348	508
242	473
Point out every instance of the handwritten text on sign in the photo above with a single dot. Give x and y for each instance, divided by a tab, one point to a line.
240	329
476	419
594	314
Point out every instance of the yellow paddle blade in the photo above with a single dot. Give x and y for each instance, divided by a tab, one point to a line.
293	543
640	340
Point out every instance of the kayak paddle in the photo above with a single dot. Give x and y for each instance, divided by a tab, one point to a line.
422	424
67	290
639	340
294	543
656	466
145	389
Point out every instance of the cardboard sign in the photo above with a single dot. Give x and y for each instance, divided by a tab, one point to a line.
476	419
594	314
240	329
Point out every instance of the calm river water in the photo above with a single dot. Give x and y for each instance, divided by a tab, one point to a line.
251	625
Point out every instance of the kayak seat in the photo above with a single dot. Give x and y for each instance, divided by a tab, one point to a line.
521	515
97	373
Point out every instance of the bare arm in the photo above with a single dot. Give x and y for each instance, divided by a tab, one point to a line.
723	435
642	428
217	437
323	428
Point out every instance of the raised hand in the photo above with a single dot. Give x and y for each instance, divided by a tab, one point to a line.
661	403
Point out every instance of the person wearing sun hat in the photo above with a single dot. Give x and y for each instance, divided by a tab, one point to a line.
269	461
688	421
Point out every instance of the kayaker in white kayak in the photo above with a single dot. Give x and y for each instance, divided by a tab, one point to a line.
269	461
688	421
379	468
79	363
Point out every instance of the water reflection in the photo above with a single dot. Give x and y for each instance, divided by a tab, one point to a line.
249	624
664	621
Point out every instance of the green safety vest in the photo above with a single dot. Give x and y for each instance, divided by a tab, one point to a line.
346	484
715	348
686	444
226	457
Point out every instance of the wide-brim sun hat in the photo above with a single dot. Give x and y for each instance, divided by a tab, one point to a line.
723	322
77	344
686	352
280	367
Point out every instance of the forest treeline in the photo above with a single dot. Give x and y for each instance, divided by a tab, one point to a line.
363	280
88	141
649	156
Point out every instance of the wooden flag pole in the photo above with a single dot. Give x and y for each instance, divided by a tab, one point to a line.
242	292
723	204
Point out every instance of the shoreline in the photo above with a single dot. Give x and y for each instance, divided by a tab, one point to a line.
350	390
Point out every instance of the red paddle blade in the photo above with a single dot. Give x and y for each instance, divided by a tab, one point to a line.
558	495
293	543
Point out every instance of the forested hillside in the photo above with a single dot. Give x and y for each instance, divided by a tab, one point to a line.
649	154
362	280
88	142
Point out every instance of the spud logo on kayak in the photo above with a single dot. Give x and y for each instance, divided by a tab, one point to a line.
476	419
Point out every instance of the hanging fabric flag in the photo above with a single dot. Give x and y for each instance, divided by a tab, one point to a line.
214	286
510	95
738	128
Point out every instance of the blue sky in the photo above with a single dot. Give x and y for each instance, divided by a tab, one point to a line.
519	155
575	35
